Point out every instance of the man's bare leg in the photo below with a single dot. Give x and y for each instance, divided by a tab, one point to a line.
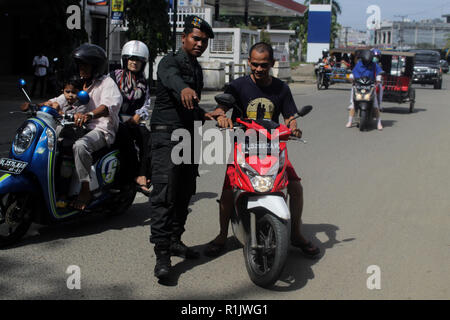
351	115
84	197
295	191
226	207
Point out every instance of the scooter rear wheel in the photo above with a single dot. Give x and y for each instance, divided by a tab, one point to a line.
266	262
123	201
15	218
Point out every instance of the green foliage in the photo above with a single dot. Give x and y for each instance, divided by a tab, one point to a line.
148	21
264	36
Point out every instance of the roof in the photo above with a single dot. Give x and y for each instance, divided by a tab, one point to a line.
283	8
397	53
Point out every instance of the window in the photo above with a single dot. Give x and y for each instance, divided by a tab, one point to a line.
222	43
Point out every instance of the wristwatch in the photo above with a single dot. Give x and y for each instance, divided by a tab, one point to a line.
90	114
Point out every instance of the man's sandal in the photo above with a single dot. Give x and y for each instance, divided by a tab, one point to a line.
214	249
140	188
307	248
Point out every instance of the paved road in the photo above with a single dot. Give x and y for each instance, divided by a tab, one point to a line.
372	198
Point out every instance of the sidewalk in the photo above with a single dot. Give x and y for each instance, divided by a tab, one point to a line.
304	73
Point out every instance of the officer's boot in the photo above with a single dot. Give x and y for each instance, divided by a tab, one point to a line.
179	249
162	267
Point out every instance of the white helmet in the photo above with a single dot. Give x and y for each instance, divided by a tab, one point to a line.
134	48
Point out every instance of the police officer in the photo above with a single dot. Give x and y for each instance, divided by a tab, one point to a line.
178	92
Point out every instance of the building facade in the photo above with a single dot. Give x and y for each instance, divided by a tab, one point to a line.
413	34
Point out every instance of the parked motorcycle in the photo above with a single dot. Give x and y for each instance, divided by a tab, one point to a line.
261	219
27	186
364	94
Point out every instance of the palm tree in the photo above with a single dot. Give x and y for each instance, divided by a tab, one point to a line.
335	8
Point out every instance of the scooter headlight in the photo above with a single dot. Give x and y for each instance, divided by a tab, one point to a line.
50	139
24	138
262	183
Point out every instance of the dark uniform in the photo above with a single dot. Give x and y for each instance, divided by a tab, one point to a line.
173	185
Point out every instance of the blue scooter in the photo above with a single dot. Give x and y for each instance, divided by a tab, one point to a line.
29	177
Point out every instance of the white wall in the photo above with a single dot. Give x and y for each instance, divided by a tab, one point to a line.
315	51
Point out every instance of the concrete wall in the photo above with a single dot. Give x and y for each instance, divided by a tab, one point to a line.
282	70
213	75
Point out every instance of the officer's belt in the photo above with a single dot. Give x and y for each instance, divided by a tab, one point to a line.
162	128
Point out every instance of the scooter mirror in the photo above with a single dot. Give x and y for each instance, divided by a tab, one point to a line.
225	99
22	83
304	111
83	97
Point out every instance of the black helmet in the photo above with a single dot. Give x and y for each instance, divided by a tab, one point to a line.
366	57
93	55
325	53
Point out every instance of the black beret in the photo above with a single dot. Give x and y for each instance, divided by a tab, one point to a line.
197	22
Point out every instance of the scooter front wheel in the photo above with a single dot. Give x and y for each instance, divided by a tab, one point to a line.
15	217
266	262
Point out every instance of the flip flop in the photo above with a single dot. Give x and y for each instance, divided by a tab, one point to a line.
213	249
307	248
140	188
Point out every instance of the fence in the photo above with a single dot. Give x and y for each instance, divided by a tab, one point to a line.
183	12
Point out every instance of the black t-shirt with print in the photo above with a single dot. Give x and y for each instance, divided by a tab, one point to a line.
262	102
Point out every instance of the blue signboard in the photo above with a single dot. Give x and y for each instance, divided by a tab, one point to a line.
319	26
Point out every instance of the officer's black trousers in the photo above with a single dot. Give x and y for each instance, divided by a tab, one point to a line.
173	187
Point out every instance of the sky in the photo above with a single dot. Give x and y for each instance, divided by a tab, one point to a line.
354	11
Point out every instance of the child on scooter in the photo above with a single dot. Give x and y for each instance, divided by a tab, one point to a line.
67	101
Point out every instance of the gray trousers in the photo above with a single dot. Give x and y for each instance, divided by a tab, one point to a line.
82	150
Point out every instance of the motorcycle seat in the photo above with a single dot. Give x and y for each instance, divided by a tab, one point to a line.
97	155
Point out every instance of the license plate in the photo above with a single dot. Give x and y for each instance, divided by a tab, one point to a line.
268	148
12	166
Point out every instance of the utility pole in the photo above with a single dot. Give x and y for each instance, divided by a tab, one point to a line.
400	30
346	36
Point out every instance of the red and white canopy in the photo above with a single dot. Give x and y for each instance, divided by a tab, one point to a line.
283	8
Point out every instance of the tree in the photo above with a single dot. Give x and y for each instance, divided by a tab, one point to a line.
148	21
335	11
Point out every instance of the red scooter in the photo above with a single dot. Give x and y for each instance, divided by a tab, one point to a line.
261	220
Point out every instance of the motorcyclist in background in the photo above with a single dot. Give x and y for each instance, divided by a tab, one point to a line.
326	60
366	68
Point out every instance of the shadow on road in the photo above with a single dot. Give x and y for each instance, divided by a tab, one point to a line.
401	110
298	269
44	282
138	215
186	265
203	195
